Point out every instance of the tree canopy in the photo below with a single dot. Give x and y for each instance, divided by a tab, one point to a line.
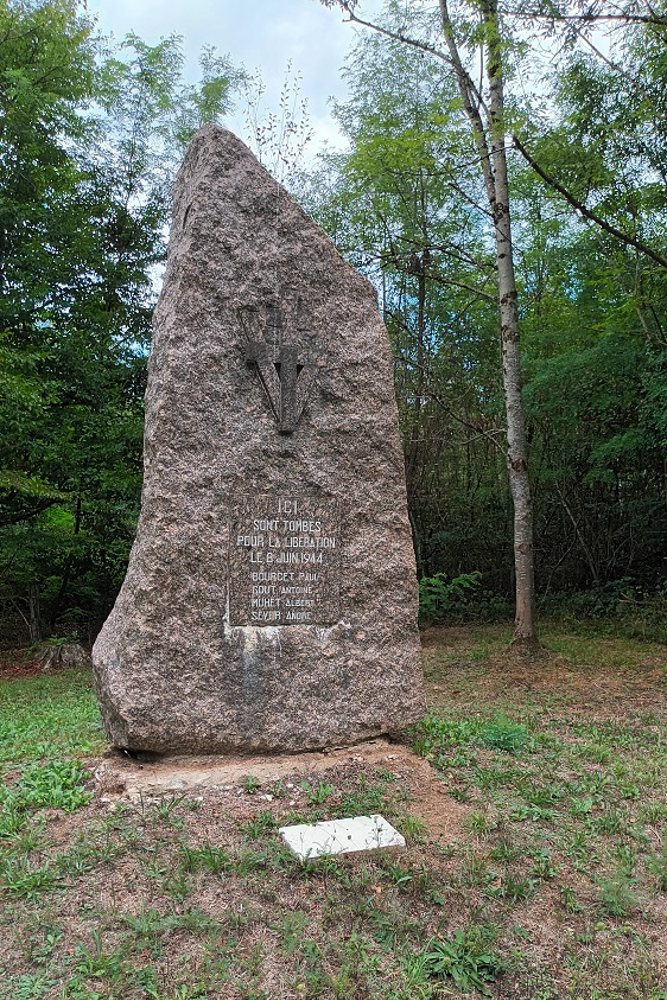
90	136
89	139
583	124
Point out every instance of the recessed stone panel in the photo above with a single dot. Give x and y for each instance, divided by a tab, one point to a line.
284	562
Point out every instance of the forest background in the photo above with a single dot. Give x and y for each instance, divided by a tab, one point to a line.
90	137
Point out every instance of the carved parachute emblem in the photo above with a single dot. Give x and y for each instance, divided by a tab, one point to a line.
284	367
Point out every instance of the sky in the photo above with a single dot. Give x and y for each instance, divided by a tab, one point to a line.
260	34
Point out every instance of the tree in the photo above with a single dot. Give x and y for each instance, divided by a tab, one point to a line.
486	117
88	144
402	209
612	127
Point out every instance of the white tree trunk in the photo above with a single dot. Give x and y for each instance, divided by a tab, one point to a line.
490	142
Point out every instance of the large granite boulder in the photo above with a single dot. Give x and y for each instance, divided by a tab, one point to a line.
270	601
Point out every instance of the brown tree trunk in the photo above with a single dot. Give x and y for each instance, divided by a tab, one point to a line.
34	613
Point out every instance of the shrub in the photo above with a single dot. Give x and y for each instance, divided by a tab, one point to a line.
439	597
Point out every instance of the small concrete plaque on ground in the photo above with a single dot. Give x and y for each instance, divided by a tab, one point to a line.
340	836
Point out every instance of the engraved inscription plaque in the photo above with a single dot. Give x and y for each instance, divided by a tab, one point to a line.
284	562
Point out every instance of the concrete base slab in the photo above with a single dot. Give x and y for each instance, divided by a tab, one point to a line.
122	777
246	783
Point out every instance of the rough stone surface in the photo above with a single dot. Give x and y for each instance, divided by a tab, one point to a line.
271	448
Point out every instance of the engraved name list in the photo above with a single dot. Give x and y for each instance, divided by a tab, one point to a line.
284	562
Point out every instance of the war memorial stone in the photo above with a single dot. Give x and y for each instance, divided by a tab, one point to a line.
270	600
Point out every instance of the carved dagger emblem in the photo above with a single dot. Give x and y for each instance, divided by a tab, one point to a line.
281	365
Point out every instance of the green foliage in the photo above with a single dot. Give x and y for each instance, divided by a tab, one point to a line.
280	137
435	735
439	596
89	143
624	607
48	717
56	785
91	133
413	828
317	794
19	880
208	858
617	895
658	868
259	825
503	734
466	958
405	205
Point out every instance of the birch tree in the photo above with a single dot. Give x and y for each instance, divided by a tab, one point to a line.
484	108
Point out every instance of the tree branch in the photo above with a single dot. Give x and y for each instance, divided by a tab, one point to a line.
468	91
347	6
588	213
348	9
588	17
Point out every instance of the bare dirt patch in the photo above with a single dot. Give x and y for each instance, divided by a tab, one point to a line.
16	663
121	778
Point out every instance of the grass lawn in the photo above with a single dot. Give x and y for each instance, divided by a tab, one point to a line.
536	865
